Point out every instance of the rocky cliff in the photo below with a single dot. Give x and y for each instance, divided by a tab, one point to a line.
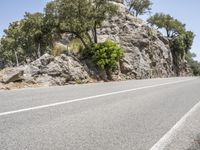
147	52
147	55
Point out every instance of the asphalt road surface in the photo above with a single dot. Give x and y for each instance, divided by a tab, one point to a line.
128	115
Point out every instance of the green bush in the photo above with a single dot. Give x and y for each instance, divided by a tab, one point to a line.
106	55
194	65
178	45
182	43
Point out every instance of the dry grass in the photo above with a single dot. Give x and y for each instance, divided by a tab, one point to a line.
74	46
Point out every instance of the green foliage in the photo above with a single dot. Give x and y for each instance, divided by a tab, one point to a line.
10	51
71	17
35	41
36	33
100	11
106	55
180	39
178	45
78	17
25	39
172	26
188	40
139	7
51	21
194	65
182	43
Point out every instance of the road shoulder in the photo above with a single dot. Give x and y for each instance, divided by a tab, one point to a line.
185	134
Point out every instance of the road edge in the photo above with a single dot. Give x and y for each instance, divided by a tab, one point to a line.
182	135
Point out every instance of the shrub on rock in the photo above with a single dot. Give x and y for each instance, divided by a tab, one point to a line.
106	55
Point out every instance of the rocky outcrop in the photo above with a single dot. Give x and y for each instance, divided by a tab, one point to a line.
147	51
56	71
147	55
47	71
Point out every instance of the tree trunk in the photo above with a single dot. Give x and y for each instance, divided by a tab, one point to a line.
168	33
82	40
95	34
16	58
89	37
109	73
38	51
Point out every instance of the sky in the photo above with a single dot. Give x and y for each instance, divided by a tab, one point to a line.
13	10
187	11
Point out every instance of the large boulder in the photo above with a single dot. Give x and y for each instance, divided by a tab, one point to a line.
72	67
12	75
60	70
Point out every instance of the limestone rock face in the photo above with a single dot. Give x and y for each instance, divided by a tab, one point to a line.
57	71
147	52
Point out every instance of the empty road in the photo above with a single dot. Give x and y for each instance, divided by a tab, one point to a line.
128	115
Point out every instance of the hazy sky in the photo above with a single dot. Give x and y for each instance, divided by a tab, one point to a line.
187	11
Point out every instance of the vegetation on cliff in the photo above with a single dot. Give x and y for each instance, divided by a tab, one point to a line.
139	7
180	39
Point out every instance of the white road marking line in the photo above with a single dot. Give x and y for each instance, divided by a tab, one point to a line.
87	98
167	139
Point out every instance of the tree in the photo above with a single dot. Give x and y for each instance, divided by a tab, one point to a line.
78	17
188	40
172	26
71	17
25	39
35	40
178	45
180	40
194	65
101	9
182	43
51	21
139	7
11	52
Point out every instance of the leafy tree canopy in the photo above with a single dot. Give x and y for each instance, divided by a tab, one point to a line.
182	43
25	39
139	7
172	26
180	40
79	17
10	50
195	65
